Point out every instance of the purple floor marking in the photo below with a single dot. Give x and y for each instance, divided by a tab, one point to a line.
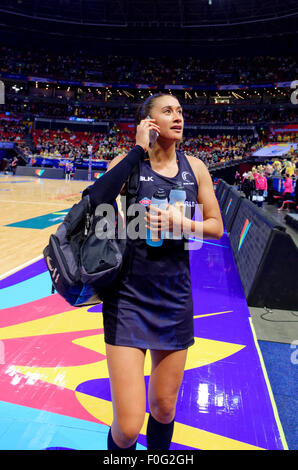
26	273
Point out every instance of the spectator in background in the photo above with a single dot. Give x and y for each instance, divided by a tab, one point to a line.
261	187
287	194
290	167
14	165
270	199
237	179
245	186
276	168
252	185
68	170
249	185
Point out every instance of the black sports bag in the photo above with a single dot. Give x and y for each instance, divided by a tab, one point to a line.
81	265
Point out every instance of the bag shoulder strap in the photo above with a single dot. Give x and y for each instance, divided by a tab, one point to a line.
133	183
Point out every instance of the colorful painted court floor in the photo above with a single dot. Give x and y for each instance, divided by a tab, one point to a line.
54	385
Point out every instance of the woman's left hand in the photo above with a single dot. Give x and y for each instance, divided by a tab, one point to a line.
165	220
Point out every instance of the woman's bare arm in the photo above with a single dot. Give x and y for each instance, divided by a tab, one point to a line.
212	225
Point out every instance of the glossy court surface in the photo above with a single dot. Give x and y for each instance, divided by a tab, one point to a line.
54	385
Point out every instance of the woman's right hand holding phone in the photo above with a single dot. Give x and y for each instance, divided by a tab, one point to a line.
143	132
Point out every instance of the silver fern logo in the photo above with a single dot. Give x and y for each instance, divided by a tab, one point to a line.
185	176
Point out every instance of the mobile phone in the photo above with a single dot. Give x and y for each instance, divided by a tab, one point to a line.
153	135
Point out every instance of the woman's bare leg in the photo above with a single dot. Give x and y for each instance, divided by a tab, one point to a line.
166	377
165	380
126	371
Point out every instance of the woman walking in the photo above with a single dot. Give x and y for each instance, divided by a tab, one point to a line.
150	306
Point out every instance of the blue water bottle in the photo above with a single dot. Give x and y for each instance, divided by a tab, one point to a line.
159	200
177	198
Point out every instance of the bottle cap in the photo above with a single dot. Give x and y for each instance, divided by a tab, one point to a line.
178	186
160	194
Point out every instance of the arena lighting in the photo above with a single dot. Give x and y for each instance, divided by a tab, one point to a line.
16	88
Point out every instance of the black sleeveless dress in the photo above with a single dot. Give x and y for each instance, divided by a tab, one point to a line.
151	305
